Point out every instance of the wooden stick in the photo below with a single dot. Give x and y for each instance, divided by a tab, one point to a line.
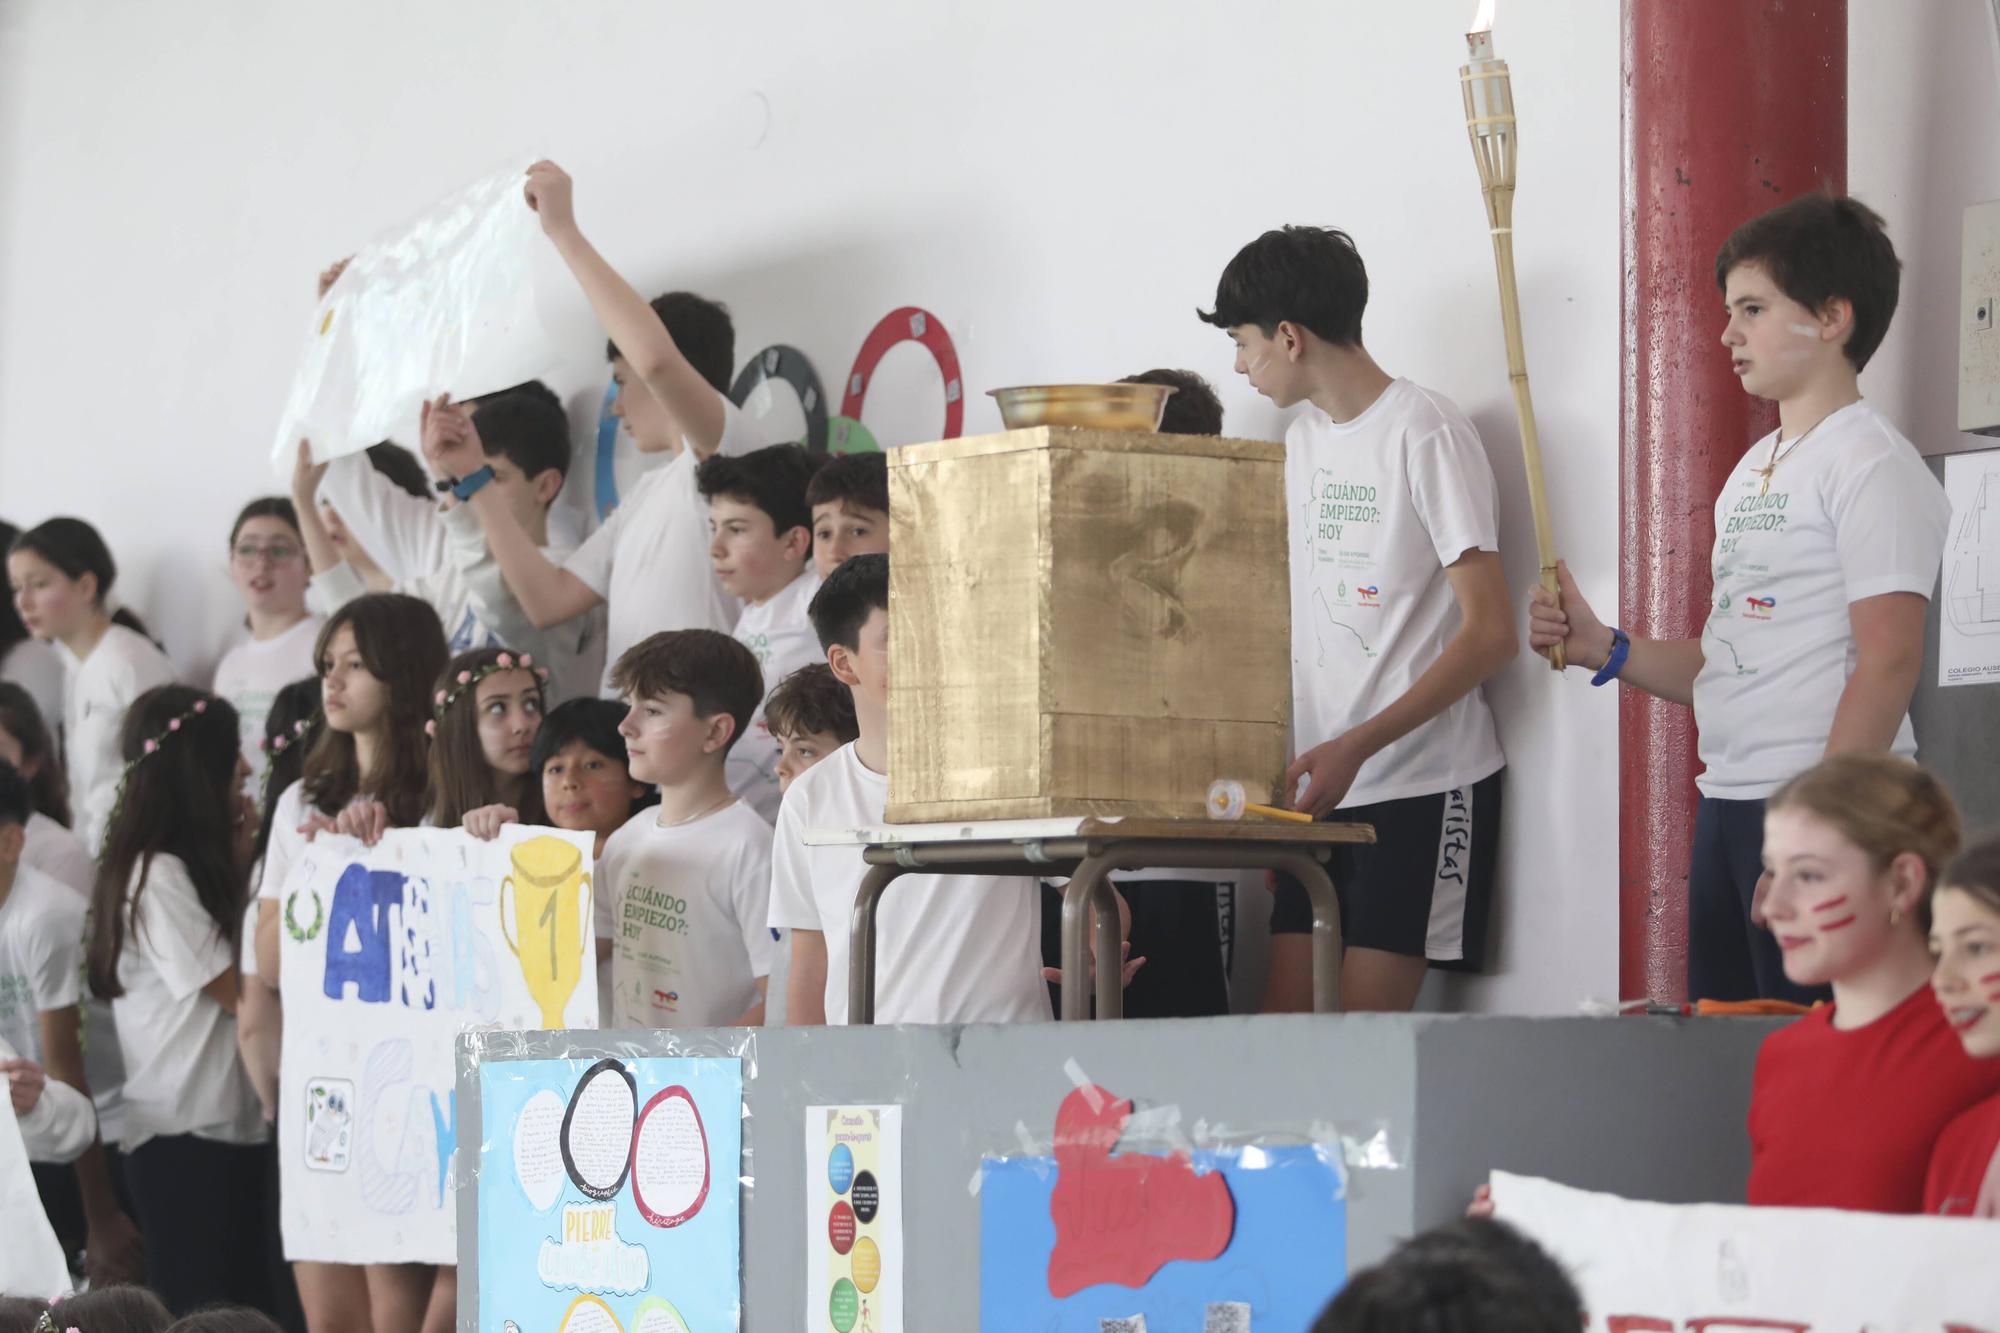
1500	213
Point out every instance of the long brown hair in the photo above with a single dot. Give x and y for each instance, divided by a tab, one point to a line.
402	645
461	779
21	719
177	798
1975	872
1883	804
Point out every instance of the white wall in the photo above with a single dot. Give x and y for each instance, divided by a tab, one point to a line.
1060	183
1923	128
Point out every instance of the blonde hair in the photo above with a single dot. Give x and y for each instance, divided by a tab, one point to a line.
1883	804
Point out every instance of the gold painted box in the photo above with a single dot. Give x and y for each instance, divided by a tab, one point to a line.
1085	622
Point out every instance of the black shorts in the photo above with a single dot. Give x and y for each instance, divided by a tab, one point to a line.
1423	889
1179	927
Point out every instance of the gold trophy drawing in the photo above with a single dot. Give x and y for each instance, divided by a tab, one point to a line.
551	893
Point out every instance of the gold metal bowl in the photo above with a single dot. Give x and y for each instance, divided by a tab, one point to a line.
1102	406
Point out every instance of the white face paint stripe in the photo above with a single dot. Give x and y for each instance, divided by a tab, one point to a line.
1804	330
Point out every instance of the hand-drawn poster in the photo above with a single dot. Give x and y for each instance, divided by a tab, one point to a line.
388	953
1969	586
1223	1241
609	1197
854	1219
1662	1268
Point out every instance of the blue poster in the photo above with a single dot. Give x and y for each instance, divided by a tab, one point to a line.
608	1195
1285	1257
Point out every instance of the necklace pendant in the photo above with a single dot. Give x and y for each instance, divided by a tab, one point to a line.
1764	486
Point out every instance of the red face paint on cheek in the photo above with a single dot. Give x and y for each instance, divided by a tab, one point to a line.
1829	904
1847	920
1989	978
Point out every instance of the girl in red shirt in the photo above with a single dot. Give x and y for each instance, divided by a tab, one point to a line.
1849	1101
1965	936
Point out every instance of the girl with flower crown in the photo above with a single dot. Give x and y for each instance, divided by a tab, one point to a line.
486	711
365	770
161	946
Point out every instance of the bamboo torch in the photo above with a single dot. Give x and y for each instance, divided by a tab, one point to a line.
1489	120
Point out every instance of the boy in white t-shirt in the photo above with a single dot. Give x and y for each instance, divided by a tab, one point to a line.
683	887
761	546
1828	537
950	948
647	564
41	994
849	500
1400	612
514	443
811	714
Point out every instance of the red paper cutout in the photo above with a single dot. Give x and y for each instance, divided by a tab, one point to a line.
1120	1219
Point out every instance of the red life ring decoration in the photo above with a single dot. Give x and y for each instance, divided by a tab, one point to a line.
908	324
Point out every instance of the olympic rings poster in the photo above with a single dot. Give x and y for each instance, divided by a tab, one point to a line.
386	954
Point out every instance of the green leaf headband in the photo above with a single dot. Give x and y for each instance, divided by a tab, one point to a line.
149	749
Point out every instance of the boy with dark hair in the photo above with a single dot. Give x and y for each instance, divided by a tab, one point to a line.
521	439
950	948
685	884
849	499
1828	538
1193	409
1400	612
1477	1275
646	564
811	715
761	545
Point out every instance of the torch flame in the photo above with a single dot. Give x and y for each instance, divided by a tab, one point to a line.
1484	21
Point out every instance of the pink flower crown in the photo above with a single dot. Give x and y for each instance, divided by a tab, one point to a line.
467	680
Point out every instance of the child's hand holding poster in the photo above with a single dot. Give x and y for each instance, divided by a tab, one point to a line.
388	953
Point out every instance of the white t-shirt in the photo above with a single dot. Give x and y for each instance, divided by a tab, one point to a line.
782	637
286	841
37	668
441	555
251	674
685	909
41	957
948	948
182	1072
1378	507
1852	512
649	560
58	1128
61	855
99	689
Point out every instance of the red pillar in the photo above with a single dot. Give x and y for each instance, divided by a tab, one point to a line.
1731	107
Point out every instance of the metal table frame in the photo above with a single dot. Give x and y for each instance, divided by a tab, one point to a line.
1087	856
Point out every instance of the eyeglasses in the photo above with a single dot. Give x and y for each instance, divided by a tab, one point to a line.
278	553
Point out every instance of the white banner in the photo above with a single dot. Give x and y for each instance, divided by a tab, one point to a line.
388	953
446	305
1718	1268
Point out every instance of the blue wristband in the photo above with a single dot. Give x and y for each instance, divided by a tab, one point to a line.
1621	648
464	489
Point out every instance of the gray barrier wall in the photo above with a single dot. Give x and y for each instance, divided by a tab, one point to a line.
1646	1107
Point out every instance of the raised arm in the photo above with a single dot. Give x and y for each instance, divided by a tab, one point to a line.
634	329
548	593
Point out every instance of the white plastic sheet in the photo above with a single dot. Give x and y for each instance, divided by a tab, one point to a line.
1663	1268
448	304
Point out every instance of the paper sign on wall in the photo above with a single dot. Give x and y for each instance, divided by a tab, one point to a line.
1666	1268
609	1195
1969	587
448	304
854	1219
1239	1240
388	953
